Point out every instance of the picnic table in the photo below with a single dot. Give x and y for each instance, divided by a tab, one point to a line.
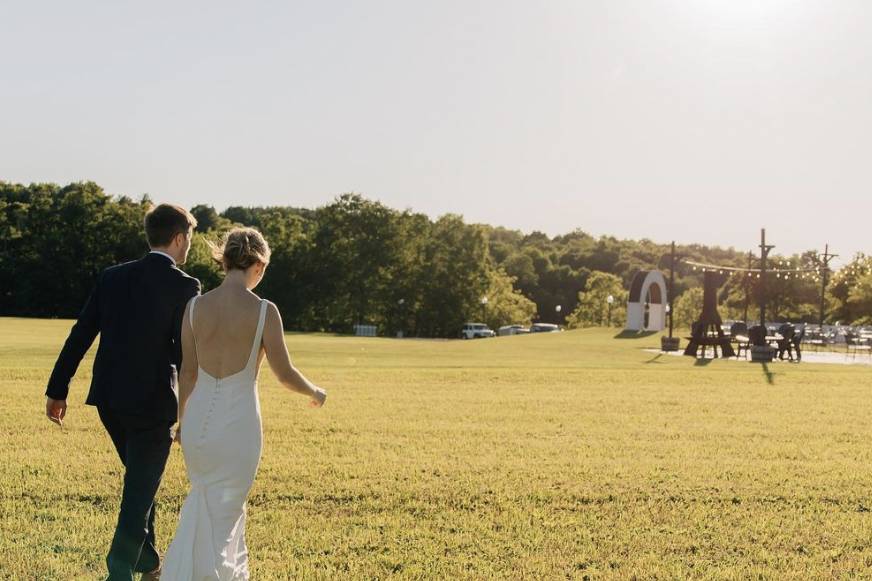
711	339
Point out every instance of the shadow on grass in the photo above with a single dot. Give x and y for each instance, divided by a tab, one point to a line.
702	361
655	359
626	334
770	376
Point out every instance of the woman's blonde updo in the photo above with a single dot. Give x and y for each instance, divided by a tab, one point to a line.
241	248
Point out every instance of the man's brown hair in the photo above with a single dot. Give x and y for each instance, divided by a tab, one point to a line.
163	222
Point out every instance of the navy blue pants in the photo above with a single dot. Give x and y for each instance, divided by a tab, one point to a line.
143	444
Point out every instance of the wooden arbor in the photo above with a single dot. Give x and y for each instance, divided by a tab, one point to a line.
707	331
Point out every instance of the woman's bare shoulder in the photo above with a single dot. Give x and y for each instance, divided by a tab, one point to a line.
272	312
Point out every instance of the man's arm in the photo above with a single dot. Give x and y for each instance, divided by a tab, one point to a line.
81	338
192	289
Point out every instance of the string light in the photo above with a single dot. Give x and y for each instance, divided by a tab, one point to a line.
731	270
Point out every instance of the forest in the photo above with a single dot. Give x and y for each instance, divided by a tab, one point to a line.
357	261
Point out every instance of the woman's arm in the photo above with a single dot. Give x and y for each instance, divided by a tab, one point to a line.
190	364
280	361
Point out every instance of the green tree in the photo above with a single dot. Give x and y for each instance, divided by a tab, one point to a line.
505	305
849	296
287	281
355	244
688	307
593	306
859	300
63	238
456	277
403	304
201	265
208	219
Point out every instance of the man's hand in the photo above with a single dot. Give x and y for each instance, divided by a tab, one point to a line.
56	410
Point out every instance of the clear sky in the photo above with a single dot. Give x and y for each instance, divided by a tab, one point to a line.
694	120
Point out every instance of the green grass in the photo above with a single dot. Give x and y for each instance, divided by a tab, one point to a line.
558	456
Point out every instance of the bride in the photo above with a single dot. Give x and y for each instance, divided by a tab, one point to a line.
225	333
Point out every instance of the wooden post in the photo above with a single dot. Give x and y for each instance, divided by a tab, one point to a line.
761	352
671	343
825	276
764	253
748	286
671	285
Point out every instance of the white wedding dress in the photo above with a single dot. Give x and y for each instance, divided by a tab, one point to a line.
221	443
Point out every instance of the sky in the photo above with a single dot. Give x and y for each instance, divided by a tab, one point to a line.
689	120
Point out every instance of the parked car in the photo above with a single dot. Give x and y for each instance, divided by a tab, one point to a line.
476	331
512	330
544	328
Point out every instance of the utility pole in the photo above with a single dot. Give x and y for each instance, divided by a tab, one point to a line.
764	253
671	343
671	285
748	285
824	260
761	352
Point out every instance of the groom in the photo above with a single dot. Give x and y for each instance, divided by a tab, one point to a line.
137	309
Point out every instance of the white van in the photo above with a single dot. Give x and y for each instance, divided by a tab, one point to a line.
475	331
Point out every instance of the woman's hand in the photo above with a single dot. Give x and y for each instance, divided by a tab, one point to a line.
319	396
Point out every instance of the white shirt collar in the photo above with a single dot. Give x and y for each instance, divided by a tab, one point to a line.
164	254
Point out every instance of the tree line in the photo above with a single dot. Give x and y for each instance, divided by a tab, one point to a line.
357	261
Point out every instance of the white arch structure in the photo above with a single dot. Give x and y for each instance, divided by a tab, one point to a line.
648	289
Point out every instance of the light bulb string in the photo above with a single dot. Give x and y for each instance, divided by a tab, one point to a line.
731	269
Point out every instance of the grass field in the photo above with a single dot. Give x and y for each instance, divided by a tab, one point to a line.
556	456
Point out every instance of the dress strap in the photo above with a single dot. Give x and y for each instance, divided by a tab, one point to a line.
258	334
191	323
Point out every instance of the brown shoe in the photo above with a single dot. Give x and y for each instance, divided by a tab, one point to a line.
151	576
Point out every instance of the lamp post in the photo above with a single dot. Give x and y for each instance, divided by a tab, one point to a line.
400	303
557	310
484	310
610	300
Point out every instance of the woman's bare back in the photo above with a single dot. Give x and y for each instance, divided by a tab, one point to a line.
225	323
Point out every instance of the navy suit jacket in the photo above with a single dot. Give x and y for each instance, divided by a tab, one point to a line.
137	309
